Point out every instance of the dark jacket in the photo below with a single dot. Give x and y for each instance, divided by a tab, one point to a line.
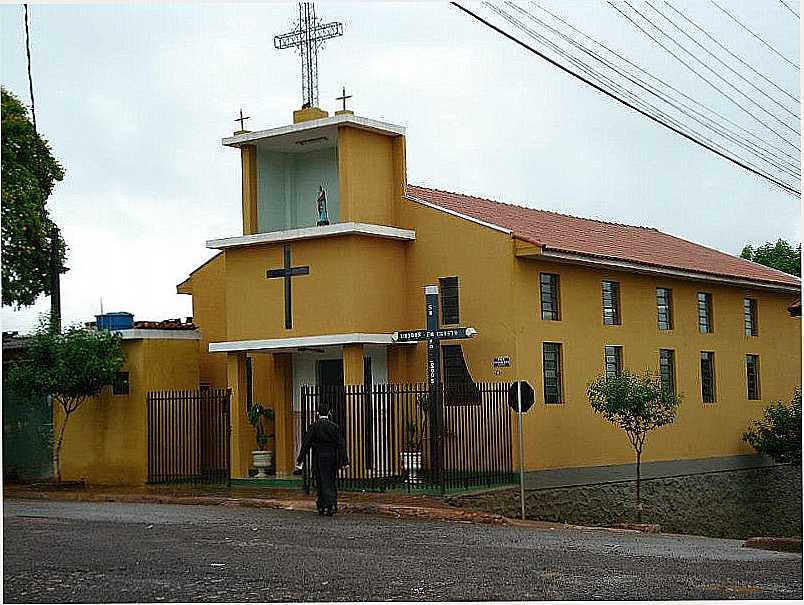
325	438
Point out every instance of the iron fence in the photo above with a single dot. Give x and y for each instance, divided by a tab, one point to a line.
395	438
188	436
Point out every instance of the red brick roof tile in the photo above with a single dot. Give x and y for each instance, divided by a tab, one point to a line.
600	239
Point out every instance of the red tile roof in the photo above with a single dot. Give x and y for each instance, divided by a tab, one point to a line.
588	237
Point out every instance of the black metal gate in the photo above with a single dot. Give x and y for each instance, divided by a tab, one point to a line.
189	436
390	439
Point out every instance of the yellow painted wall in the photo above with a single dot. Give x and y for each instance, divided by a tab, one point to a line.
371	169
571	434
371	285
206	285
354	285
105	440
499	296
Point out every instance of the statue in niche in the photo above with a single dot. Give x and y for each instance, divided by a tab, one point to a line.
321	203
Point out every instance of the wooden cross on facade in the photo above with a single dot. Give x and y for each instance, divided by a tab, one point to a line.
242	119
288	272
433	336
308	36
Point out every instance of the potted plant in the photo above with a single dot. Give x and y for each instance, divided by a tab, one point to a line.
261	456
415	430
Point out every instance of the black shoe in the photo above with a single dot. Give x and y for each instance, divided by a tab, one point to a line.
320	511
330	512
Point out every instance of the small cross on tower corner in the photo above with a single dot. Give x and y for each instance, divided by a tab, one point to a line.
343	98
242	119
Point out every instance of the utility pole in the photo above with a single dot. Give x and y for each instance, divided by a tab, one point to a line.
55	281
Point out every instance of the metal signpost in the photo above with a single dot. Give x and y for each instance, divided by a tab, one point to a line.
433	335
522	392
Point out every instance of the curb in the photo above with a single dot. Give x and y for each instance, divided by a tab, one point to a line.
396	511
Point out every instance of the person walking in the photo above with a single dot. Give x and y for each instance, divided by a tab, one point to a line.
329	454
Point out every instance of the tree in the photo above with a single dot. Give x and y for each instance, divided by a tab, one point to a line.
778	432
781	256
71	367
637	403
29	173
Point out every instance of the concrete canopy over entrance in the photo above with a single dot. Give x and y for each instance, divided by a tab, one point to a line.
272	372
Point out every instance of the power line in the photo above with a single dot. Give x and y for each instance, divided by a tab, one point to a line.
608	82
743	165
784	153
795	159
762	154
727	66
30	78
704	78
55	261
790	9
666	35
760	74
745	27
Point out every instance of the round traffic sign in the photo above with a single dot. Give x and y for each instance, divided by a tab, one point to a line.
527	395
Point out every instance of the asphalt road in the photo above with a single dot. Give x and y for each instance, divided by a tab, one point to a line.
97	552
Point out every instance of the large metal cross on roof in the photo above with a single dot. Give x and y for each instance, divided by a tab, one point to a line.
308	36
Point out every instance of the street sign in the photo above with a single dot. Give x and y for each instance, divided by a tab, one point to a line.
526	394
433	335
501	361
441	334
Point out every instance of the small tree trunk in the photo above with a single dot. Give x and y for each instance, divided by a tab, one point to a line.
57	449
639	500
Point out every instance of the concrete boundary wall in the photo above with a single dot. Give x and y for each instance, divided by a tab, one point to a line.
735	497
591	475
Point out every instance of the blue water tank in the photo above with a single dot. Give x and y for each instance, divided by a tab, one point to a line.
115	321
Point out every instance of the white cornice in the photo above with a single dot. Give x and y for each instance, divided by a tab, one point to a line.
300	342
621	265
290	235
466	217
147	334
342	120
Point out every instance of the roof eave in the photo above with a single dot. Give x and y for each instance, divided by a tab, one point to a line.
636	267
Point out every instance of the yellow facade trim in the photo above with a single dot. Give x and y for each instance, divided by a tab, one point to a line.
248	155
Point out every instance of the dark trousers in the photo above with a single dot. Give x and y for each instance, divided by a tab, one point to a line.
325	469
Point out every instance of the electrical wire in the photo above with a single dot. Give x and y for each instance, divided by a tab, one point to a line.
782	185
30	78
704	78
762	154
607	82
763	141
716	58
790	9
760	74
745	27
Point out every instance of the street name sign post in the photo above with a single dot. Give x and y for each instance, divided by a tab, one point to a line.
520	398
433	336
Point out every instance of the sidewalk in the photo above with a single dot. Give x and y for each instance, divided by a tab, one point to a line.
389	505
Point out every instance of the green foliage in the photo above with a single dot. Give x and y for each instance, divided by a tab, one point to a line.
638	404
71	367
781	256
29	173
778	432
256	414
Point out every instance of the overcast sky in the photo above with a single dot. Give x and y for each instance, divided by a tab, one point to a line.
134	100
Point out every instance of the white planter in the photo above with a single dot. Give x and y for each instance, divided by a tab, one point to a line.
411	465
262	462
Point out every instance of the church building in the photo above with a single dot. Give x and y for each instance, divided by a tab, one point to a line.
337	249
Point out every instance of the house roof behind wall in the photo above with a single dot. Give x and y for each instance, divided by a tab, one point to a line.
599	239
